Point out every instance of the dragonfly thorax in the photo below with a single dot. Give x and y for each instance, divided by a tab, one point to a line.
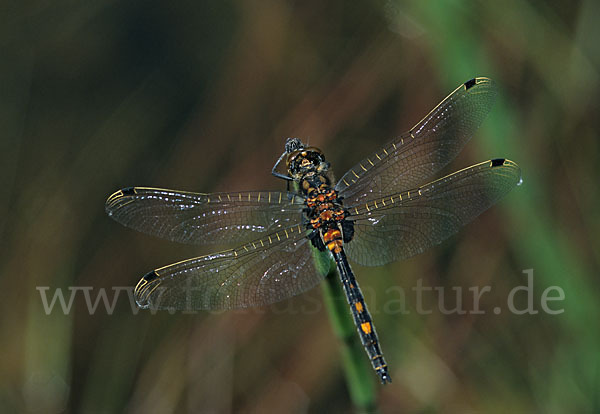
324	214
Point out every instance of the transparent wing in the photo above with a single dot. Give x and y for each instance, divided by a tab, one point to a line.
261	272
410	159
204	218
403	225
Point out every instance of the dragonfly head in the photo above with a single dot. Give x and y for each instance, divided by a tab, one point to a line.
302	160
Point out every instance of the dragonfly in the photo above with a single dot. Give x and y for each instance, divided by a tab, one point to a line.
383	209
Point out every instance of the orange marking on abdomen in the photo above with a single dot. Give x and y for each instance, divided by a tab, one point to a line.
331	235
359	307
366	327
335	246
326	215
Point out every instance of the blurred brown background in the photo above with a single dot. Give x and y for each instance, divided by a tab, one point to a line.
196	96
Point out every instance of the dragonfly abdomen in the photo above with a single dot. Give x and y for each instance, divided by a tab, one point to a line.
362	317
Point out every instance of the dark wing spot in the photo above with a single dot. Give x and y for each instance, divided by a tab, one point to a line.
469	84
150	276
498	162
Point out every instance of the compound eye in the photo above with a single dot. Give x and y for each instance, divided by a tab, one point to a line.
315	157
293	157
292	161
